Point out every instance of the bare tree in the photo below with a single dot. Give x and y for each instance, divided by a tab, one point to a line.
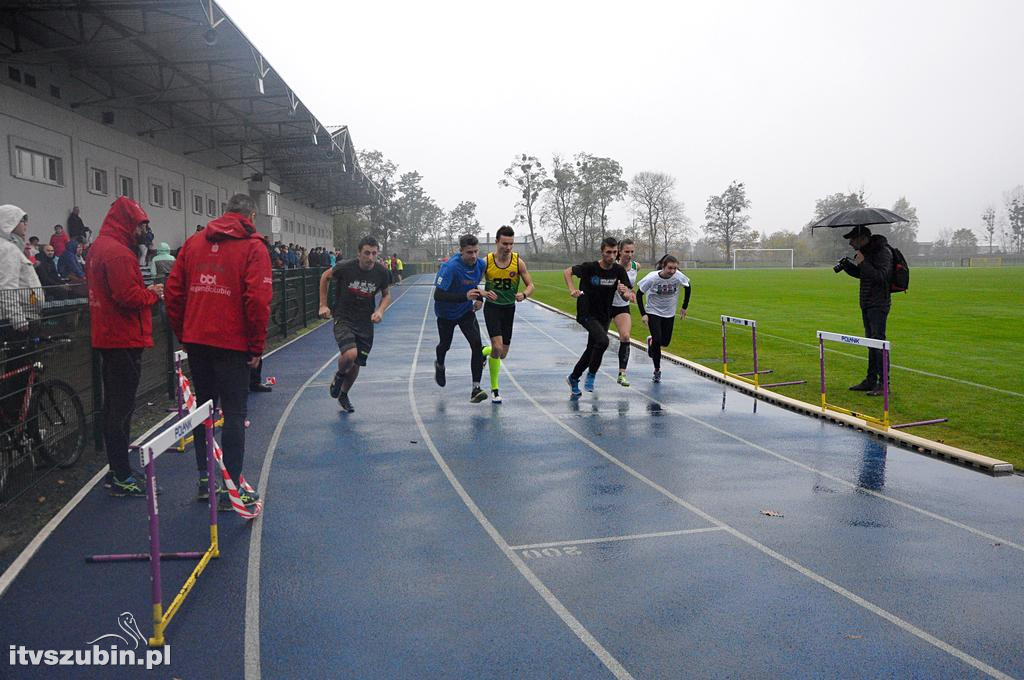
603	179
1014	199
561	202
648	190
527	175
988	218
673	223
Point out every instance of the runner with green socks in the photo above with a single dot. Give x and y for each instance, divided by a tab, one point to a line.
505	269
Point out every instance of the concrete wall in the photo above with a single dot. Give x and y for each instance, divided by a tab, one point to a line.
32	122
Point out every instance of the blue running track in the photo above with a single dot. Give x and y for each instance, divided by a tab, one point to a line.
621	535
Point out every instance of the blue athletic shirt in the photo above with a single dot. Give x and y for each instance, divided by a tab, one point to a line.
455	277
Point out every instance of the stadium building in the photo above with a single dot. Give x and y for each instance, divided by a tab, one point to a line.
166	102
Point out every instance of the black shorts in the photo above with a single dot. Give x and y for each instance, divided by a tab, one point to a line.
499	319
347	336
619	310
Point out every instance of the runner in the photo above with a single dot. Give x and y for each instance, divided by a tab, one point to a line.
356	284
620	307
456	301
662	288
598	283
504	271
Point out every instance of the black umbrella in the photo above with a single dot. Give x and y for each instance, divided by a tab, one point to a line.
858	217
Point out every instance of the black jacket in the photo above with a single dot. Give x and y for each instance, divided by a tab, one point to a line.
875	273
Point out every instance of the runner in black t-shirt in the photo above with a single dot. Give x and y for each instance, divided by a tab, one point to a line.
356	285
598	283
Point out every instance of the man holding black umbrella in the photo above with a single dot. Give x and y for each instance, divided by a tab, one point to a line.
873	265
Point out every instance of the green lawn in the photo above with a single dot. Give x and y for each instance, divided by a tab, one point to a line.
962	325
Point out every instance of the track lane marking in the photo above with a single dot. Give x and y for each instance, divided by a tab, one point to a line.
613	539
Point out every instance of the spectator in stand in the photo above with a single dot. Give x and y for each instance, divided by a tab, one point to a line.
87	237
76	227
46	268
162	262
218	304
303	258
335	256
59	240
199	228
122	327
68	265
145	246
32	249
16	274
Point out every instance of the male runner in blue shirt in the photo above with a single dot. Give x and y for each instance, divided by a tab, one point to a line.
456	301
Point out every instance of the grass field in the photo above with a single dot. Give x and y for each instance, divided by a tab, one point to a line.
957	339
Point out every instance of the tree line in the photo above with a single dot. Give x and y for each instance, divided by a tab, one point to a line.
566	203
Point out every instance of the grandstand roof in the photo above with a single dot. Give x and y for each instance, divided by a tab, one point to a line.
189	72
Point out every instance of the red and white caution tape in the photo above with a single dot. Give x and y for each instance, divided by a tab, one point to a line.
188	400
250	512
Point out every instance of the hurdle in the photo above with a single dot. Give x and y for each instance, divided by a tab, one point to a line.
149	453
870	343
756	373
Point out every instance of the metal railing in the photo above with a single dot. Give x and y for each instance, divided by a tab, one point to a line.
57	343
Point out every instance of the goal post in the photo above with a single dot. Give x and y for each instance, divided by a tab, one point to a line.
763	257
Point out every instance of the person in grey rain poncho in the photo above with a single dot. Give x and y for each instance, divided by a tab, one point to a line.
21	295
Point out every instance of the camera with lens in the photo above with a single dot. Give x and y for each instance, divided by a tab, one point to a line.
838	267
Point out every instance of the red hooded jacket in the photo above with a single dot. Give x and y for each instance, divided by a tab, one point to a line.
119	303
218	293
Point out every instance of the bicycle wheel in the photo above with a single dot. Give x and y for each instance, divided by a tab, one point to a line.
58	426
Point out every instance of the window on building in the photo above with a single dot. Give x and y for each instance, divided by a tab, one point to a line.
175	199
223	207
126	186
55	92
197	203
39	167
97	179
156	194
14	74
30	80
211	207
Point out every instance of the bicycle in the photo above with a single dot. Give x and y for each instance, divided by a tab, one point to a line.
50	426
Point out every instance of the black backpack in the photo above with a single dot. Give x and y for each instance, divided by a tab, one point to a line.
899	281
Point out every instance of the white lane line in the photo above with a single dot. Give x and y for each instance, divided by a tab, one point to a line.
613	539
253	667
792	564
606	658
838	480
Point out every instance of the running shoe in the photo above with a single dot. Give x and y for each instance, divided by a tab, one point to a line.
108	481
248	498
477	395
588	384
203	489
127	487
656	377
623	380
336	385
345	402
574	386
439	374
495	397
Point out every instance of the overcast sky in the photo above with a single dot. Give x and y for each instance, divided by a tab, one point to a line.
797	99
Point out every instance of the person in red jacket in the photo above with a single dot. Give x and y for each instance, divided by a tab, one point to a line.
218	304
59	240
122	326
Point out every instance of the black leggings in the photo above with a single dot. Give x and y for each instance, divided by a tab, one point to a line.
223	376
470	328
597	343
661	335
122	369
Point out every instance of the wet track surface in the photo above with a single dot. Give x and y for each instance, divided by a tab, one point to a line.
621	534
